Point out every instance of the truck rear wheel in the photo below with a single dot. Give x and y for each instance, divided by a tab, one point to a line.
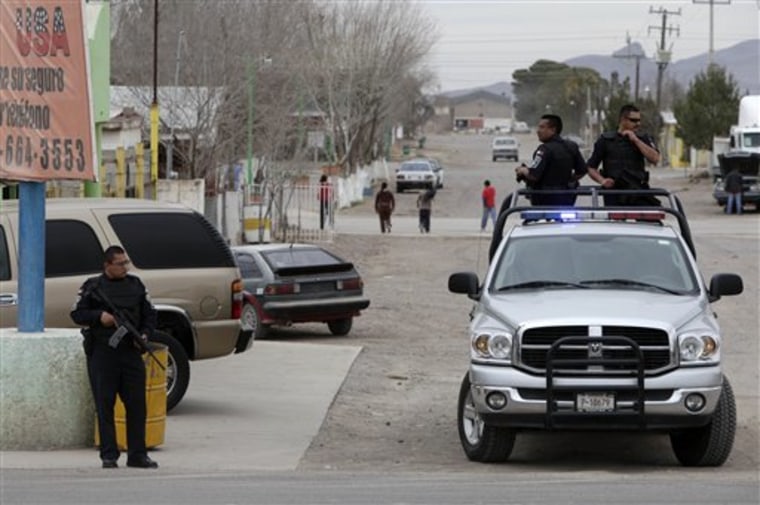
481	442
709	445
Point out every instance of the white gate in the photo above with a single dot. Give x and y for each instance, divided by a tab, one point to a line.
288	213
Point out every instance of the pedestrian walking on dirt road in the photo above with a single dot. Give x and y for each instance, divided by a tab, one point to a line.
384	206
425	208
489	205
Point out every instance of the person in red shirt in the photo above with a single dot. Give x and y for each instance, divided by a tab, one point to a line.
489	205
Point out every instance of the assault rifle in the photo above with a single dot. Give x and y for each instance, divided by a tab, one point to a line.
126	326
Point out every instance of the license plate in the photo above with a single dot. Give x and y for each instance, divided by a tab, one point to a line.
595	402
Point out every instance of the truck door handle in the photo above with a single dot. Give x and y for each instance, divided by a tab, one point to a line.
8	299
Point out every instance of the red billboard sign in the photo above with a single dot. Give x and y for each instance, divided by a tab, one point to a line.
46	128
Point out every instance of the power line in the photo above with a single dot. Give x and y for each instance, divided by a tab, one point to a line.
663	57
712	2
628	55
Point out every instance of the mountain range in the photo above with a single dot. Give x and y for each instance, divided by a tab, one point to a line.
741	60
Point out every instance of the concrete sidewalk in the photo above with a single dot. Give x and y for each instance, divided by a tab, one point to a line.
254	411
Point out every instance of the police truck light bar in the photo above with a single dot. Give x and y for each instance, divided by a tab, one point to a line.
570	216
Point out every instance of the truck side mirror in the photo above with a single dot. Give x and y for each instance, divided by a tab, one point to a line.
725	284
465	283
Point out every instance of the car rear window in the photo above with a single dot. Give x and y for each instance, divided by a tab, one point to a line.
248	267
285	258
168	240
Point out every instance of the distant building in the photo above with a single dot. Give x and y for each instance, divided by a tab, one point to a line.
479	110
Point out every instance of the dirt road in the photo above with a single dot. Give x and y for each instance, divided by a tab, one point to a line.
397	407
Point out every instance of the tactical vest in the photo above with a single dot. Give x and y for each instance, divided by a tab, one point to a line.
621	155
126	294
559	174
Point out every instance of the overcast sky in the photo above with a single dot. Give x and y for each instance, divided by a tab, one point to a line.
483	41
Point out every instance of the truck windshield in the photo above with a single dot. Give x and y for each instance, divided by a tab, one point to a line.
633	262
751	139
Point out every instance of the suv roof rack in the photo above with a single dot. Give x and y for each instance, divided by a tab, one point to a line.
511	206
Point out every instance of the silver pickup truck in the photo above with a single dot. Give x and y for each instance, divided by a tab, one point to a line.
596	318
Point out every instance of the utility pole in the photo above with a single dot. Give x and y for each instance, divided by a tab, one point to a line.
711	2
175	91
663	56
628	55
154	108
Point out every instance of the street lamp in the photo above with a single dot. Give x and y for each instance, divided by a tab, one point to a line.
266	60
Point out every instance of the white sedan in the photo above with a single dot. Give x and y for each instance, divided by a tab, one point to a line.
417	174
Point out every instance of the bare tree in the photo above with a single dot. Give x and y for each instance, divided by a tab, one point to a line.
362	57
252	65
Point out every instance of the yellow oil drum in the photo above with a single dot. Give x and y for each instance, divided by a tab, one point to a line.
155	402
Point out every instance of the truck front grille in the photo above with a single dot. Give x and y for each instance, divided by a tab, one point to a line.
653	342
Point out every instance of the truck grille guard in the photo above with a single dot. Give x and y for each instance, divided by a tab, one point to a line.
596	346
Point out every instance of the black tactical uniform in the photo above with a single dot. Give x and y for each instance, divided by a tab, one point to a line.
557	164
121	369
622	161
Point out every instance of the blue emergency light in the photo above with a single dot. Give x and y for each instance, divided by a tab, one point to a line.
591	215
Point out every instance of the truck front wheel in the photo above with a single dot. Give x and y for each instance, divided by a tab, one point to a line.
481	442
709	445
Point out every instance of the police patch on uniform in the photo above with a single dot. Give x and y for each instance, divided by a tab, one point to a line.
537	159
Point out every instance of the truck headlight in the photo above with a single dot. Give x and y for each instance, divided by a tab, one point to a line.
492	345
696	347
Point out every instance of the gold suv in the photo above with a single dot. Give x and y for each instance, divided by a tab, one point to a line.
182	259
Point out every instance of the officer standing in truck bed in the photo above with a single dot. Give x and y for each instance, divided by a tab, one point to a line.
623	155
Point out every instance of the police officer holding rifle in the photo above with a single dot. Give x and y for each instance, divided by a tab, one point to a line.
120	317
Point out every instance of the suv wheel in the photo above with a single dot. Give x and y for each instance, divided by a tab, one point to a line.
709	445
340	327
177	369
480	441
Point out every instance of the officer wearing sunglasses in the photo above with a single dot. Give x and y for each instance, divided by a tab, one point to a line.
623	155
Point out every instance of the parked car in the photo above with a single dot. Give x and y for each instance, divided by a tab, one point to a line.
520	127
507	148
438	168
298	283
418	173
183	260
